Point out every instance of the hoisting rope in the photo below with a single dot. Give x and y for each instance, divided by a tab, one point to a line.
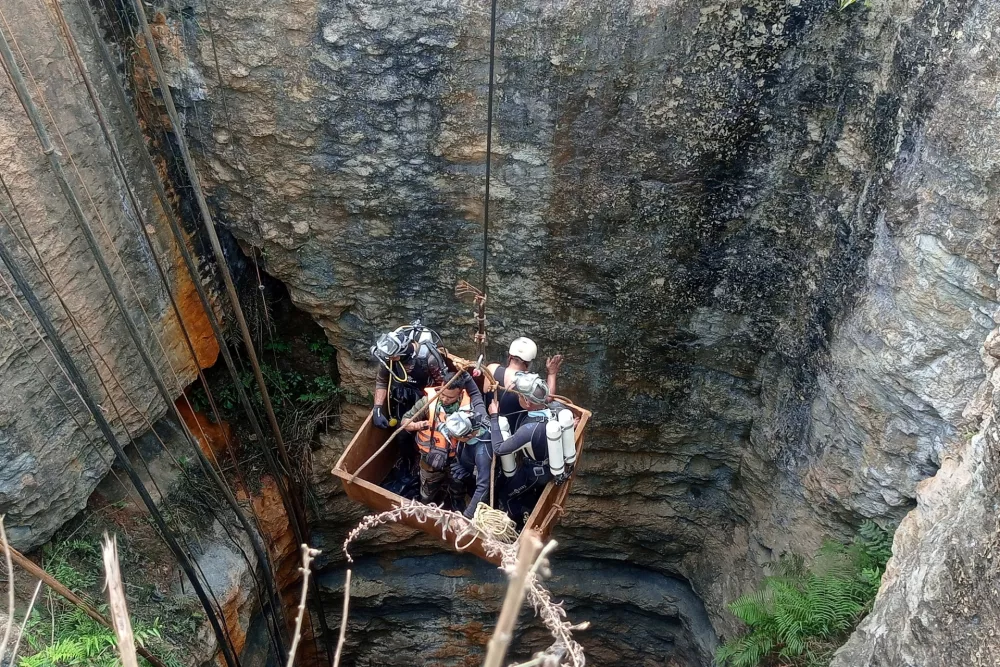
260	552
489	141
481	300
17	81
298	515
90	349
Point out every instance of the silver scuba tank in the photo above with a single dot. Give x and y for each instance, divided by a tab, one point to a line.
553	434
568	436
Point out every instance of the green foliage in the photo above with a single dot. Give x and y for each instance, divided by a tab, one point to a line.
79	640
799	613
278	345
323	350
57	562
289	390
64	635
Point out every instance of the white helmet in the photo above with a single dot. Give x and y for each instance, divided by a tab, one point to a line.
523	348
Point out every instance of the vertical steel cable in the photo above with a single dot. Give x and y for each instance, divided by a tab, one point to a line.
489	163
135	133
206	216
489	139
297	517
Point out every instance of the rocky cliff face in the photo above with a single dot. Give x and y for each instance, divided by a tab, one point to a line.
760	232
51	453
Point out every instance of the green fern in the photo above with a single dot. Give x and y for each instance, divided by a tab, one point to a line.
80	641
68	637
799	611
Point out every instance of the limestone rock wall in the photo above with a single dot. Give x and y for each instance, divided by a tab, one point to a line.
760	232
51	454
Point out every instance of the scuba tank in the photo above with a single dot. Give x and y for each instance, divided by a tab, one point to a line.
568	437
508	462
553	434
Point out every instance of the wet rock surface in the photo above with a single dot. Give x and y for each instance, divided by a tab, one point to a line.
758	231
440	609
761	233
52	455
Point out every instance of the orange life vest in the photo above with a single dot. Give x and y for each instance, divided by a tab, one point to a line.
431	436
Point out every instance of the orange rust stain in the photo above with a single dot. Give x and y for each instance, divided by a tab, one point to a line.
154	120
469	635
285	556
214	439
231	619
474	632
199	329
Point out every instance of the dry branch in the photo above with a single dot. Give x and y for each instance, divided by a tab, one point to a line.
88	609
10	590
24	622
307	558
119	608
343	619
513	601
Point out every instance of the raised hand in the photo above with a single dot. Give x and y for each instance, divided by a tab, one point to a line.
553	364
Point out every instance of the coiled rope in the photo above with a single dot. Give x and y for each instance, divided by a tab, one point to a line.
495	523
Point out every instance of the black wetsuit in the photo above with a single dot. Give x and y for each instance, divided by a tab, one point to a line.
508	403
420	371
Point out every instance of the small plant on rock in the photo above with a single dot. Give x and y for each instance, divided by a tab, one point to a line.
799	615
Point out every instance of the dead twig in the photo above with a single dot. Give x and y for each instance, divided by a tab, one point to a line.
87	608
457	530
496	649
307	558
343	619
24	622
119	608
10	590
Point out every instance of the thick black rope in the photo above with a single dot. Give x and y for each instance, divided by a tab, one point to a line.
109	435
489	140
295	510
136	135
17	80
258	548
481	315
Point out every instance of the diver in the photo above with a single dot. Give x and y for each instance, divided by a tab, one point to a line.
542	448
520	354
440	470
409	361
445	400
